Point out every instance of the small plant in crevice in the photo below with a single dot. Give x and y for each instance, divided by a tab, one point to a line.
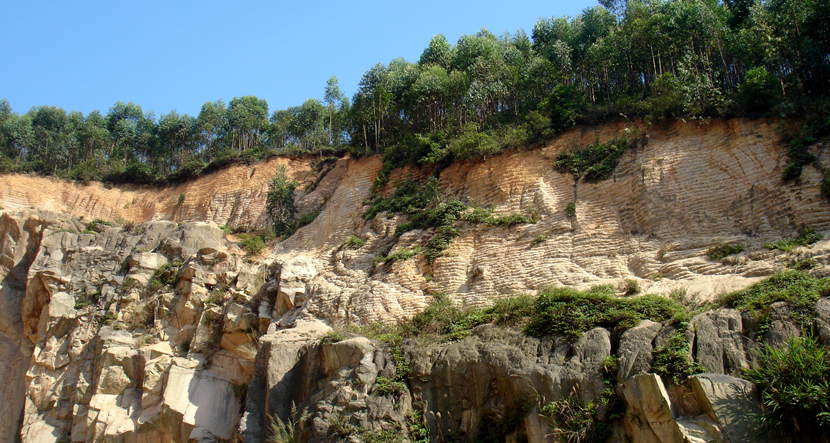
288	431
570	210
538	239
97	225
674	359
576	421
353	242
402	255
794	381
417	427
805	265
279	202
723	250
806	237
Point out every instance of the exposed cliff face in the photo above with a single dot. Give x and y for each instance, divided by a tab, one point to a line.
150	333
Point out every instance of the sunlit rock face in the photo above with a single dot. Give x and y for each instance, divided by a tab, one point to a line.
164	328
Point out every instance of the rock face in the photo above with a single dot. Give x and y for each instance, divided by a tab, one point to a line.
168	330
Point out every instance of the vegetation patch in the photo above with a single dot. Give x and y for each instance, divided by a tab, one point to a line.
253	244
353	242
576	421
723	250
98	226
570	210
794	381
449	322
570	312
674	359
596	162
799	289
806	237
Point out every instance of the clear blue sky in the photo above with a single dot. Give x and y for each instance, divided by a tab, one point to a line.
179	54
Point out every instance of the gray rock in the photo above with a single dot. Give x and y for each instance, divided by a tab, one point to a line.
636	348
734	403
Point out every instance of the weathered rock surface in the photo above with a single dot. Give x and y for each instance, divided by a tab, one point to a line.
168	331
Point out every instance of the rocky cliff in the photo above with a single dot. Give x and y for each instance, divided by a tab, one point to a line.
161	327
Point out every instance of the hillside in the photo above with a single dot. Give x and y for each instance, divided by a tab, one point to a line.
166	329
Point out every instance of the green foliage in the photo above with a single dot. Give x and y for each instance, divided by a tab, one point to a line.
286	432
723	250
570	210
576	421
538	239
449	322
402	255
97	225
417	427
794	381
760	90
409	197
279	202
570	312
167	275
674	359
806	237
797	288
631	286
333	337
353	242
594	163
381	436
254	244
83	300
386	386
226	230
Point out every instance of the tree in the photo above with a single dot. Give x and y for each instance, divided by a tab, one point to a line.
247	121
332	97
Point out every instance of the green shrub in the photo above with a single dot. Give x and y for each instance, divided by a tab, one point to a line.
806	236
723	250
797	288
450	322
576	421
570	210
674	359
594	163
402	255
353	242
570	312
254	244
631	286
538	239
794	381
97	225
409	197
386	386
760	90
279	202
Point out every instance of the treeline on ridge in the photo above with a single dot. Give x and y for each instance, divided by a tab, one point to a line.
652	60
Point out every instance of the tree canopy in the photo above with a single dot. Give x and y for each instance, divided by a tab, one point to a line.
649	59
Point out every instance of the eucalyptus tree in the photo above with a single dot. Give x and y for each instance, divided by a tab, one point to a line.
247	121
334	99
210	125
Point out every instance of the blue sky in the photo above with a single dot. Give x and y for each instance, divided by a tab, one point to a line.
179	54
